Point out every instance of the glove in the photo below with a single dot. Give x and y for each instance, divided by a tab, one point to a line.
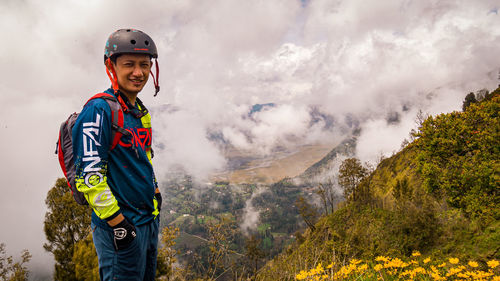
123	234
159	200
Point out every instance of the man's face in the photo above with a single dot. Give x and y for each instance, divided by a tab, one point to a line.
132	71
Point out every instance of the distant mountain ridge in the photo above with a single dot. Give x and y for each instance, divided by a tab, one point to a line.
321	168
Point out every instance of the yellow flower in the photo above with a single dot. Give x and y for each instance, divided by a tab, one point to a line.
427	260
437	277
378	267
442	265
346	270
496	278
454	260
473	264
395	263
453	271
493	263
363	267
302	275
381	258
405	273
318	270
416	254
330	266
419	270
355	261
480	274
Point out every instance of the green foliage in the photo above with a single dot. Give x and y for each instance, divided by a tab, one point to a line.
469	99
413	225
308	212
317	247
65	224
194	210
254	253
219	239
85	260
459	158
402	190
167	254
13	271
351	173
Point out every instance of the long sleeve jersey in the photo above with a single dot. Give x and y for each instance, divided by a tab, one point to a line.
119	179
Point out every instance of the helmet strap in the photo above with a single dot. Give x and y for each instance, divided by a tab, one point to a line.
112	75
155	79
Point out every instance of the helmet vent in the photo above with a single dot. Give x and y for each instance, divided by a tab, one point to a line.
132	41
128	30
146	42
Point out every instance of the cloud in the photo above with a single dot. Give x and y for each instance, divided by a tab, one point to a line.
344	60
251	215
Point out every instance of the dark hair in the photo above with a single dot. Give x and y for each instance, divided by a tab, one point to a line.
114	57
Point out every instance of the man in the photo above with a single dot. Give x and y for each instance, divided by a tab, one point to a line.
118	181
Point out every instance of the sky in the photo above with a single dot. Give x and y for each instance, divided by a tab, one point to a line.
343	60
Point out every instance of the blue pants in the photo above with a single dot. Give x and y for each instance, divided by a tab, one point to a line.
136	262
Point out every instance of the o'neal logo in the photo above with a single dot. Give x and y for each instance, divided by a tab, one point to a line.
90	154
93	179
140	137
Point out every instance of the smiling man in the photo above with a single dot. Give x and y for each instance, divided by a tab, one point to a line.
112	149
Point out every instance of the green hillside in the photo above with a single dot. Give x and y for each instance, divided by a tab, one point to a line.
439	196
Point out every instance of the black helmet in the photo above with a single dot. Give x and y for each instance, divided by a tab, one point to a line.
129	41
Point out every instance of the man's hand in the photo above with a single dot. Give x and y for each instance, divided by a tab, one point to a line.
159	200
123	234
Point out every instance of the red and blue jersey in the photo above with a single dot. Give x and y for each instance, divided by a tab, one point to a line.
119	179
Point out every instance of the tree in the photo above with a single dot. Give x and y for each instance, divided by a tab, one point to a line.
219	239
308	212
481	94
65	224
13	271
253	252
469	99
167	254
211	260
351	173
419	120
328	195
85	260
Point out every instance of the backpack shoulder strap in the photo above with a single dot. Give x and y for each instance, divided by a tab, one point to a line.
117	117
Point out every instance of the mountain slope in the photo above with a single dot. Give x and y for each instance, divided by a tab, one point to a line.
439	195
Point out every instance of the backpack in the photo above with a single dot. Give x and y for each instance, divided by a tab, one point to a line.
64	146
